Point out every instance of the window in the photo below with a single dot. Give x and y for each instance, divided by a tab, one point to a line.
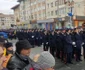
3	23
61	2
48	5
35	16
52	13
32	16
63	10
56	3
56	12
39	15
52	4
48	13
43	13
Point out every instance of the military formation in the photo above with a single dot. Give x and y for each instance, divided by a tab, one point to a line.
65	44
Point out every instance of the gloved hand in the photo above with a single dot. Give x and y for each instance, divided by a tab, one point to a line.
46	42
83	43
32	36
73	43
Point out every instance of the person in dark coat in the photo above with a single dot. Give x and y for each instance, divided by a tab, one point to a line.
68	46
83	44
52	43
25	34
78	41
20	35
58	44
45	41
32	38
63	54
21	57
9	48
74	46
41	37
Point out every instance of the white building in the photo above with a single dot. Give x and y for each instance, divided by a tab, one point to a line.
6	21
25	13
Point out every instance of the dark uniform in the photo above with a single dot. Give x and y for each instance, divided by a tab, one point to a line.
32	38
52	43
74	46
63	55
83	37
78	40
58	45
45	41
20	35
68	48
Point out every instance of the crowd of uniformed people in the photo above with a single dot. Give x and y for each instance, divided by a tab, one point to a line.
65	44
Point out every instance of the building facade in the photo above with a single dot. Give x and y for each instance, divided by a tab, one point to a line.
31	11
66	13
6	21
55	9
24	13
17	14
38	12
79	12
51	14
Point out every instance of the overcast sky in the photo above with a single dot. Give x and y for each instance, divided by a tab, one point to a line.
6	5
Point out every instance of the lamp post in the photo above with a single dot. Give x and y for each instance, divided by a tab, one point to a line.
70	5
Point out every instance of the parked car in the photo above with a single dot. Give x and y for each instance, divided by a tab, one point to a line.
5	35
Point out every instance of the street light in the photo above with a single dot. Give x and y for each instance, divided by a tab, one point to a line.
70	4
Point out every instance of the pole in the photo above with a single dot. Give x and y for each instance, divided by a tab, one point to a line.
58	13
71	18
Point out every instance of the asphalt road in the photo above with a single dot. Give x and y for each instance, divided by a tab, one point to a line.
59	65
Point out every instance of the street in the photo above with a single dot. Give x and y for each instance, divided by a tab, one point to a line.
59	65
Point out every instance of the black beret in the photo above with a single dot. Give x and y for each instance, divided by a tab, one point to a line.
8	44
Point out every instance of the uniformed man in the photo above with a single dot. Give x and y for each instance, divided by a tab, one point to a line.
78	41
63	55
52	43
32	39
83	44
45	41
68	46
58	44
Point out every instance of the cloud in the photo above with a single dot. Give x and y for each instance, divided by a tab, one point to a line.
6	5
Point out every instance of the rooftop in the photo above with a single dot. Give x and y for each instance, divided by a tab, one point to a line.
16	6
5	15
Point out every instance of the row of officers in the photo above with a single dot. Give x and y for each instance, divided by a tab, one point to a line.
64	44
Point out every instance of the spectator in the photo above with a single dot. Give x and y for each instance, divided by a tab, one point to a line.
9	53
21	57
2	57
45	60
9	48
